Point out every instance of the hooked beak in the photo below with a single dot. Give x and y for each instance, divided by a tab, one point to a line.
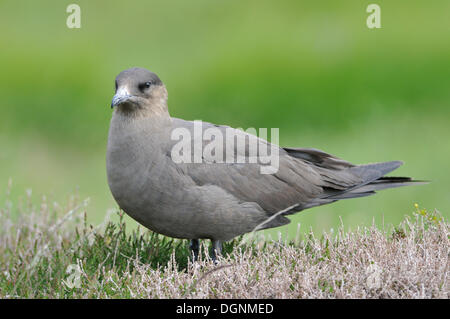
120	97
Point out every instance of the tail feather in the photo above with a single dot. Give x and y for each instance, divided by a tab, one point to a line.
374	180
355	194
388	183
372	177
367	173
371	172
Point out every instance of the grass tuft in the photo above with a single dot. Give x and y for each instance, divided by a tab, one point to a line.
50	251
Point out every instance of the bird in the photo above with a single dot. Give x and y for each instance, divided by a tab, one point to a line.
207	199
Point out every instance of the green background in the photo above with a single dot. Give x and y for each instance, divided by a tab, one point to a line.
312	69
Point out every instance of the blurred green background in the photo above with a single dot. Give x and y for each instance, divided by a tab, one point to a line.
311	68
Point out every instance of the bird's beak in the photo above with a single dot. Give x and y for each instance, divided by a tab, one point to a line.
120	97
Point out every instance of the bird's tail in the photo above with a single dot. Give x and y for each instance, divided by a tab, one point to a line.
374	180
379	184
372	177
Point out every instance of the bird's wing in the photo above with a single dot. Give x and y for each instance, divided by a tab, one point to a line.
303	179
318	158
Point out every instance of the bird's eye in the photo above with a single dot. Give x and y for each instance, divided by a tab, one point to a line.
144	86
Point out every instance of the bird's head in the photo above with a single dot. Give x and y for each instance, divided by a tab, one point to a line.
139	91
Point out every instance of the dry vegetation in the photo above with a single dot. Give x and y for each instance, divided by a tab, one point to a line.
46	253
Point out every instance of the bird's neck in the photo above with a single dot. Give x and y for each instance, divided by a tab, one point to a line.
141	124
156	110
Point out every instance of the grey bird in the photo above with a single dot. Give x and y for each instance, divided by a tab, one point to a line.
209	199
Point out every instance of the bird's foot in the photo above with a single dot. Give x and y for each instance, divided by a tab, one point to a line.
195	248
216	250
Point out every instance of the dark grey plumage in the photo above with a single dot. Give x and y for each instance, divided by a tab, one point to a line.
210	200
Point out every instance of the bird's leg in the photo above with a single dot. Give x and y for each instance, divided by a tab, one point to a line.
216	249
194	246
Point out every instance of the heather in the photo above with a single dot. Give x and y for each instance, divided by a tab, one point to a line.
50	251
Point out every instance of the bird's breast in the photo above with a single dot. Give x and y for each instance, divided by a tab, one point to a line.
130	161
